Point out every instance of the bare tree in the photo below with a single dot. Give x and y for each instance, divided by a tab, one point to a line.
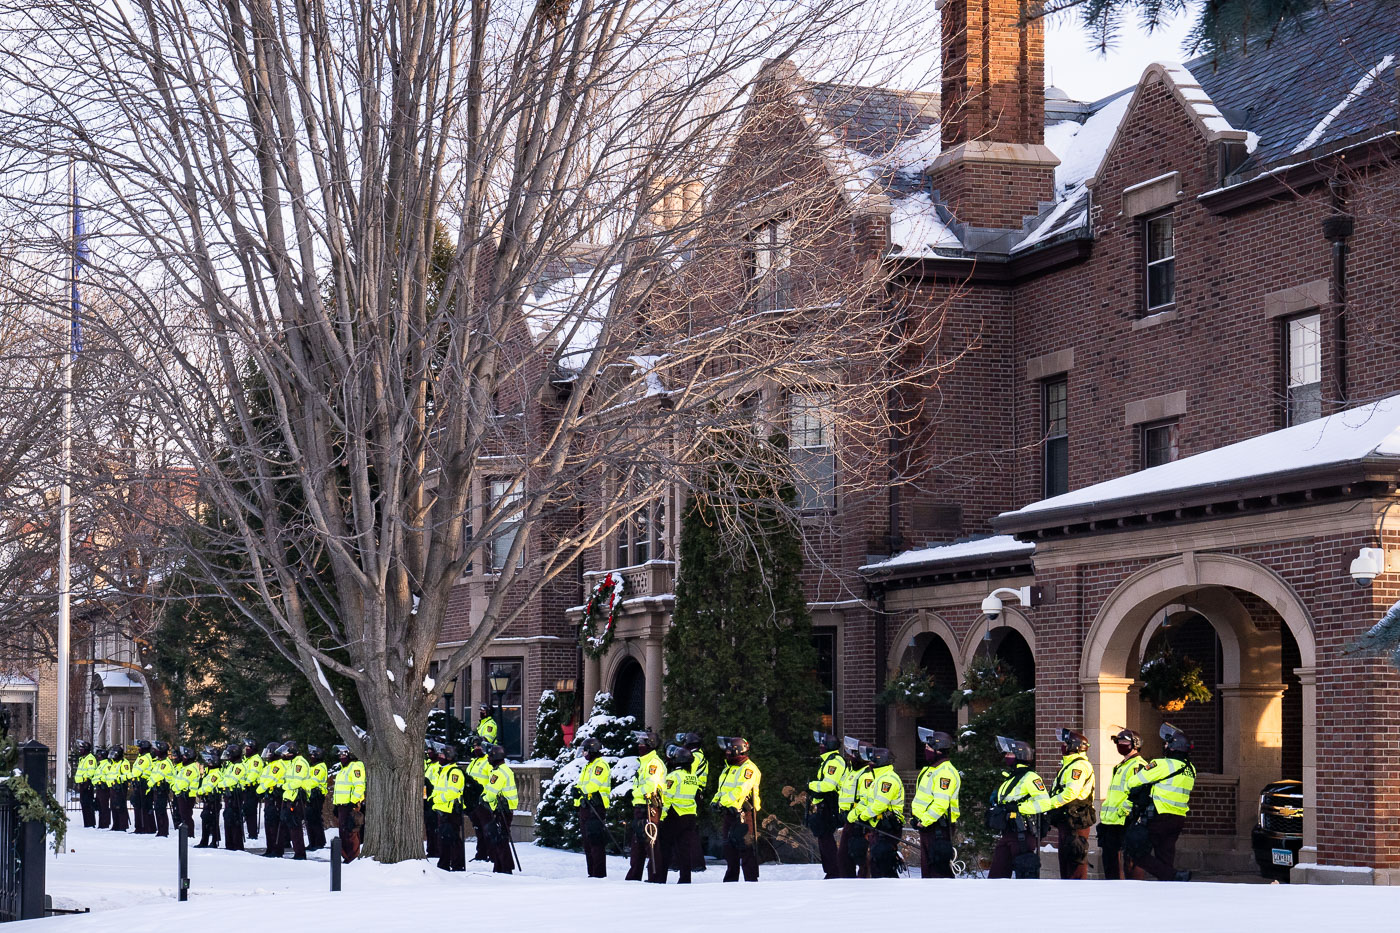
270	179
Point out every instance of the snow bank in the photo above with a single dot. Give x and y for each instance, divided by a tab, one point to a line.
129	881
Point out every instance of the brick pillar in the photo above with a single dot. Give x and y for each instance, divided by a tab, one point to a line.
995	168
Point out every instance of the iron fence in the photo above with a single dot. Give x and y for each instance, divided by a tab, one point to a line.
11	864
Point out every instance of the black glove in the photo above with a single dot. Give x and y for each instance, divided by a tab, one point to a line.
576	792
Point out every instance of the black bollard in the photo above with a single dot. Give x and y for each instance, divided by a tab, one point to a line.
335	864
34	764
184	849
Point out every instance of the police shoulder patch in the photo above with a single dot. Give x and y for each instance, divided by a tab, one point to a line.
1039	784
1074	775
885	787
748	773
945	783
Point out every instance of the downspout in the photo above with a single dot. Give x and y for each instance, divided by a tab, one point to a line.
1338	228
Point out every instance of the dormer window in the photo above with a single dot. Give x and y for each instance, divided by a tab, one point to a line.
1161	263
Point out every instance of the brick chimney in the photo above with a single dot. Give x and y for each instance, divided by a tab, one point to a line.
995	168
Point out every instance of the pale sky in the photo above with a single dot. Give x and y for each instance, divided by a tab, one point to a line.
1084	74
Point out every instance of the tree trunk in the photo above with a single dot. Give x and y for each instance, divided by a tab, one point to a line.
394	804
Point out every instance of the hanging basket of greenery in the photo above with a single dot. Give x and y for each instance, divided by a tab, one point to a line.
911	691
596	631
1170	682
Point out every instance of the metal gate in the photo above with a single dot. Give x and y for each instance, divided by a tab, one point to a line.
11	865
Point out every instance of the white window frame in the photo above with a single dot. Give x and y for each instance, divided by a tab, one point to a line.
811	433
1302	362
1150	264
503	490
770	247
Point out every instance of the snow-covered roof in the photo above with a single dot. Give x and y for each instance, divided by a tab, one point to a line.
118	678
1364	433
569	311
17	682
994	547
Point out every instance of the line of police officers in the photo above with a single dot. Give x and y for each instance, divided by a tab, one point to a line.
858	792
484	792
233	785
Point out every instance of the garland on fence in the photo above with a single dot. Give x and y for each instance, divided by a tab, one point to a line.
596	631
41	808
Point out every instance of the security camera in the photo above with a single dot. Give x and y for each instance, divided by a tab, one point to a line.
1369	564
991	607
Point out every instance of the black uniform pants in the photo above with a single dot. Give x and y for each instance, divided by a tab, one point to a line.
102	800
452	851
161	803
233	821
677	844
141	807
480	816
293	818
209	821
86	801
1014	849
184	804
121	820
884	849
1115	860
503	857
250	813
1163	830
852	852
349	832
643	854
1072	846
740	852
594	830
430	833
272	825
935	851
316	821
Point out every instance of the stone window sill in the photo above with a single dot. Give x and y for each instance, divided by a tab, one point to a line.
1159	317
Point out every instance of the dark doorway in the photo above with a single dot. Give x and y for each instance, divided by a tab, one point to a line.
937	663
630	692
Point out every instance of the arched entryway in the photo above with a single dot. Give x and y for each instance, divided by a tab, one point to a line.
1252	637
925	642
629	690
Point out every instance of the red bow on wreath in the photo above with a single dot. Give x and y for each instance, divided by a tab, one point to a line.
601	608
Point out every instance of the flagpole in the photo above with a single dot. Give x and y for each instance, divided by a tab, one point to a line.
65	508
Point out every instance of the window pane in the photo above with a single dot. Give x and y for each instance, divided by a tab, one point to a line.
1304	350
1158	445
824	640
1056	466
1159	239
1056	408
810	449
504	493
1304	403
1161	284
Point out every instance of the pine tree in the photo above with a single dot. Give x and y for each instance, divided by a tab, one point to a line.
1220	26
549	727
1382	638
556	817
739	653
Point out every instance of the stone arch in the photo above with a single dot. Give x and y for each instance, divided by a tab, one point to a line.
923	622
1211	585
622	649
1012	618
911	641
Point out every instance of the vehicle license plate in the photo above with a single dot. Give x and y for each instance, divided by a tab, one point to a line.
1283	857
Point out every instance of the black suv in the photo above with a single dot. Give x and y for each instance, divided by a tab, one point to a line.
1279	833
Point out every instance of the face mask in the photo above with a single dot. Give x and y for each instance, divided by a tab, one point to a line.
1124	748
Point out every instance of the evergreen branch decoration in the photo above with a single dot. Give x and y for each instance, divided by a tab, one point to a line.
911	689
1170	682
1381	638
601	611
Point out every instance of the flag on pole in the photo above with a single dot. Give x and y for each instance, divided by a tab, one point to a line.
80	258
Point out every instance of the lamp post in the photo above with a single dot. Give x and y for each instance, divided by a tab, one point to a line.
499	680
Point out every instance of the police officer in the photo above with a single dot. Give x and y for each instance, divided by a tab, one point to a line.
934	811
253	765
101	789
191	776
500	798
270	792
211	793
1070	804
1116	805
648	789
348	798
591	791
881	810
232	780
296	789
1171	780
851	850
143	818
678	835
824	796
432	764
316	801
162	768
118	779
737	797
486	726
700	767
448	784
83	778
479	775
1013	813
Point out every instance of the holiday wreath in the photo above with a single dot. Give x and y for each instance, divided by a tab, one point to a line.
596	631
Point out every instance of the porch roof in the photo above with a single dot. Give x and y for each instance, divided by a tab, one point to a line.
1351	446
995	550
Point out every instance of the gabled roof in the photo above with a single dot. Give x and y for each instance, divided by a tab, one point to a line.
1353	443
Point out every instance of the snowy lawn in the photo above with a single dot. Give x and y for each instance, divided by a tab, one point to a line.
129	882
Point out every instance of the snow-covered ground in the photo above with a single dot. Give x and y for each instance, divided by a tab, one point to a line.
129	882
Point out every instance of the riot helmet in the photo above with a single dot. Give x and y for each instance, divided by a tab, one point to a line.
591	748
645	740
144	745
1127	742
1174	740
160	748
936	744
881	757
826	742
448	753
496	755
116	753
679	755
313	753
1015	752
1072	742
